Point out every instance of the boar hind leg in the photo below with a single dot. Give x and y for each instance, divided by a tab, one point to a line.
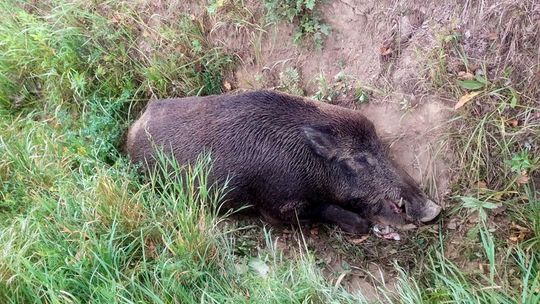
346	220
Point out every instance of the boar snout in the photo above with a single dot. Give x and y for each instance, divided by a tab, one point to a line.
418	207
422	209
430	211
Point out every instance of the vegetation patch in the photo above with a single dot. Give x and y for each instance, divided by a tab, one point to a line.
489	251
306	17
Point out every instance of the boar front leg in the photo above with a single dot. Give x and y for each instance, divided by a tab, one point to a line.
346	220
287	211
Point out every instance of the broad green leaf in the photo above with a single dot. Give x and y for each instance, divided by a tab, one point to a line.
474	203
471	202
514	99
471	84
481	79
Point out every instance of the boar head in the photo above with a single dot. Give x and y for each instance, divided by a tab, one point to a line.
364	179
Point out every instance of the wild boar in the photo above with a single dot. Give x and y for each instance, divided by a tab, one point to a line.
289	157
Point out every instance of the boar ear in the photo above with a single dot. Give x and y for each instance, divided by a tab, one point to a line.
322	140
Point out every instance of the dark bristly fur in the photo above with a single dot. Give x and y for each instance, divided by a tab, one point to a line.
286	155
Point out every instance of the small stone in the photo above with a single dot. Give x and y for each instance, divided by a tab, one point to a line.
452	225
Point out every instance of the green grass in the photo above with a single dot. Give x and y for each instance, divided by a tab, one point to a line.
78	224
108	237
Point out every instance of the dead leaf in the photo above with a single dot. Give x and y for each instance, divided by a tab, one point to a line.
465	98
359	240
385	50
517	239
498	210
484	268
151	249
66	230
491	36
227	85
519	227
519	233
407	227
79	255
452	225
465	75
482	184
523	178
